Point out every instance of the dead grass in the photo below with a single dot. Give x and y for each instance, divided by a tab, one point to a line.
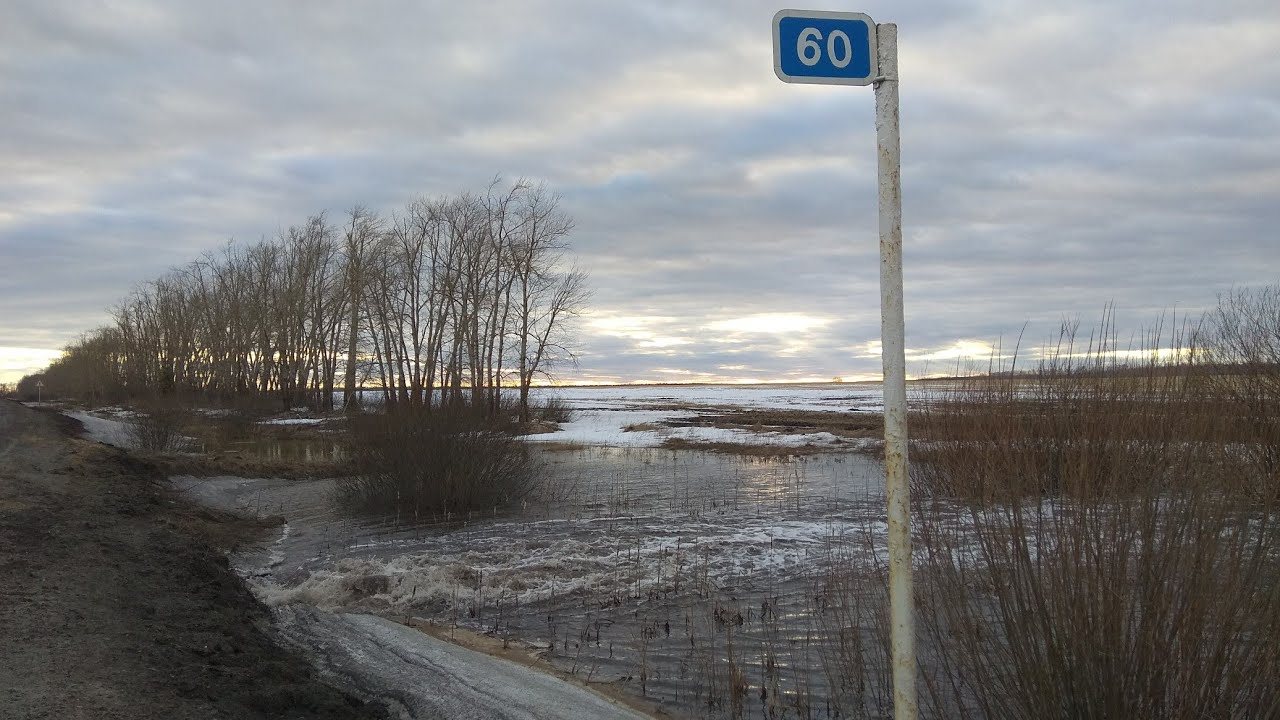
748	449
536	427
1098	541
562	446
844	426
791	422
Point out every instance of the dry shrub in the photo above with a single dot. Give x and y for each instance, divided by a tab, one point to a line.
422	466
553	410
852	610
1240	353
158	427
1098	539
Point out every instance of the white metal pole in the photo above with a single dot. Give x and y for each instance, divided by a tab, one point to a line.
893	357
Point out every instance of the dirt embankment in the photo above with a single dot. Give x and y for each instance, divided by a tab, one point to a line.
116	600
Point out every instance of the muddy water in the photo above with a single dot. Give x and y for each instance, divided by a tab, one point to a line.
302	450
698	580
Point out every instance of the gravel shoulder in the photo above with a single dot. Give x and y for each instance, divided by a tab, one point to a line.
116	599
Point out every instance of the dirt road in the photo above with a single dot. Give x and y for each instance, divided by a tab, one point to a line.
116	600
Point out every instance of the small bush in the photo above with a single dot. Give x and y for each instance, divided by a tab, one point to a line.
553	410
1094	543
158	428
1240	356
422	466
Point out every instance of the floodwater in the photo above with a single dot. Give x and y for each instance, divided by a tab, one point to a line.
700	581
300	450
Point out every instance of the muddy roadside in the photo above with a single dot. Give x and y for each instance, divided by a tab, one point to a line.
116	599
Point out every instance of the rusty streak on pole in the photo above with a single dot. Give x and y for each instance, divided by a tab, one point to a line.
893	357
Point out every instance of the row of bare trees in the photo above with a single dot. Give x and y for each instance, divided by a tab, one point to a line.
446	302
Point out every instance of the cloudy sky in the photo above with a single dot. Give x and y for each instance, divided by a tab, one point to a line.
1056	157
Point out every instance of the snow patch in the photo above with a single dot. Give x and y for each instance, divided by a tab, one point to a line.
429	678
112	431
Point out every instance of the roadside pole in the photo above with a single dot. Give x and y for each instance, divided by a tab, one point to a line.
846	48
893	359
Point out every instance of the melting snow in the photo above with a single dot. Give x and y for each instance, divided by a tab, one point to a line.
602	415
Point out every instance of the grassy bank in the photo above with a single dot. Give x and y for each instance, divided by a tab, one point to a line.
116	599
1099	537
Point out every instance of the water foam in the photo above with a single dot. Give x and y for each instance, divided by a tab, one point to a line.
591	560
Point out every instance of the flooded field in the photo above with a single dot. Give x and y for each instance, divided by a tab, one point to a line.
702	581
718	553
284	449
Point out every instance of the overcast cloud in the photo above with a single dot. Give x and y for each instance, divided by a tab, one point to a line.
1057	157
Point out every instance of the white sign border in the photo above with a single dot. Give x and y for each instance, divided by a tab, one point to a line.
825	15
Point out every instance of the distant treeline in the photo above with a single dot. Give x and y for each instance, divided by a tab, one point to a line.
445	302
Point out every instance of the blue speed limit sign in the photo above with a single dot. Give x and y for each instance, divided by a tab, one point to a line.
826	48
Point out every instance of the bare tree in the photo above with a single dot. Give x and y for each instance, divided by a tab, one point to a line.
546	297
363	229
448	302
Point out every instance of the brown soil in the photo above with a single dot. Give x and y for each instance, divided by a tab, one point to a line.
116	599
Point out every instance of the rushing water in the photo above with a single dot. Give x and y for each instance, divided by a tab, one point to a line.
695	579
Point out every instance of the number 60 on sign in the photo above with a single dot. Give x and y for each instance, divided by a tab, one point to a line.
827	48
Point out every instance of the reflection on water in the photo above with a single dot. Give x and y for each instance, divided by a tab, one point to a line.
700	580
286	449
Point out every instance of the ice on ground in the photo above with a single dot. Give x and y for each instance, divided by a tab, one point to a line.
225	492
112	426
425	677
636	416
830	398
609	426
645	428
111	431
